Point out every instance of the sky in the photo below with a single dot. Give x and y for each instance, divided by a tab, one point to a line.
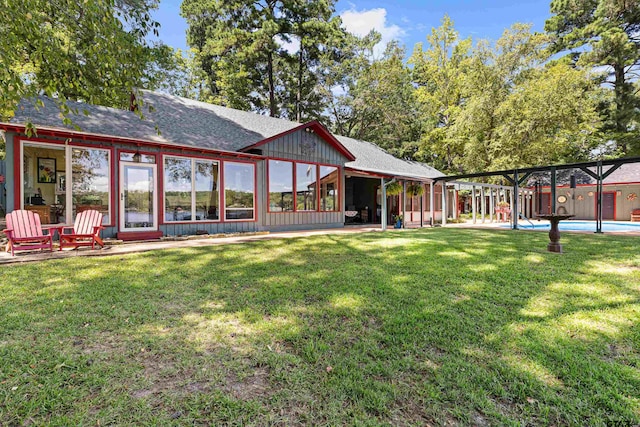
408	21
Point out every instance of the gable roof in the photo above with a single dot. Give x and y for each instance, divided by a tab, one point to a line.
183	122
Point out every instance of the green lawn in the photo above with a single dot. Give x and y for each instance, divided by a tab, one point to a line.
440	326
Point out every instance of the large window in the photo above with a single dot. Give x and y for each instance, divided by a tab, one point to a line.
239	190
90	180
280	186
316	187
190	189
61	181
306	183
329	200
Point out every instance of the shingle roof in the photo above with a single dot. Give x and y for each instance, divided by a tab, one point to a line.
186	122
372	158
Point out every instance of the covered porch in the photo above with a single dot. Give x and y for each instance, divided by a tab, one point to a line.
372	199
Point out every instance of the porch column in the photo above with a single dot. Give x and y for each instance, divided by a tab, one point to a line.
403	199
483	203
491	209
383	210
473	203
431	203
553	190
444	203
454	196
422	206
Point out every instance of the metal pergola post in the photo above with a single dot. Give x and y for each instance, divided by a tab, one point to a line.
515	195
599	201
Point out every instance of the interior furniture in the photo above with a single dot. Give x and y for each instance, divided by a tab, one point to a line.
24	231
44	211
85	231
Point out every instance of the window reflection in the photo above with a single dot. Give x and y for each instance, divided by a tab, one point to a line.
306	199
239	190
90	181
329	188
280	186
190	189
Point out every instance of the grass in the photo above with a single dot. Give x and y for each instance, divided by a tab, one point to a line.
437	327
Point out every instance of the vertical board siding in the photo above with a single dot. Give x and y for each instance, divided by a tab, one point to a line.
304	147
3	185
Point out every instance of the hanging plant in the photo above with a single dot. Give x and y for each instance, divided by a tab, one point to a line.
415	189
394	188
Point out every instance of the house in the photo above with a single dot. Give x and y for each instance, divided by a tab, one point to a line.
191	167
620	195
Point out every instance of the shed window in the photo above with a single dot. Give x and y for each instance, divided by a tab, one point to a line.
280	186
329	200
306	185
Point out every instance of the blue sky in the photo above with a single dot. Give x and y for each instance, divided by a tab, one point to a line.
406	20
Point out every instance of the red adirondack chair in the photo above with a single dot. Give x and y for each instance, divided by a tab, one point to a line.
25	232
85	231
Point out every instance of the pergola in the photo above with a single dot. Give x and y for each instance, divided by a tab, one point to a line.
517	177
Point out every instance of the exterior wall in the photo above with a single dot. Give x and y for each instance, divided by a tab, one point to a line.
305	147
13	197
586	208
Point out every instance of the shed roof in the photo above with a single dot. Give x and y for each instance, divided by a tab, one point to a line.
170	119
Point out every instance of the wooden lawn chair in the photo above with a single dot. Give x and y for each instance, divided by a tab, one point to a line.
85	231
24	231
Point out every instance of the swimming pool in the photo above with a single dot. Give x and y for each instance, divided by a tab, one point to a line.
607	226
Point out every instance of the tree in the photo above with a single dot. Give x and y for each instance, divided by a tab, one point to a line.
439	75
268	56
606	33
94	51
381	104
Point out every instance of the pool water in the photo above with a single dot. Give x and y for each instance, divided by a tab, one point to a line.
582	226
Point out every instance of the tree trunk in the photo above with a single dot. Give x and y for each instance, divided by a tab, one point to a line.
299	91
272	90
620	119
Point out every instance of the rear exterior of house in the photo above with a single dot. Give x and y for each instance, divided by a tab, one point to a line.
189	168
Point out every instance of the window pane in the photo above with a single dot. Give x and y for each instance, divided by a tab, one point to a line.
280	186
90	181
239	183
207	193
43	181
177	189
329	188
306	199
144	158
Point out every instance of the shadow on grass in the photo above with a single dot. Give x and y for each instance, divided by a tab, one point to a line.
432	326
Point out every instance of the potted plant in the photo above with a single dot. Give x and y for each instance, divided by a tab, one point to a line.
415	189
398	221
394	188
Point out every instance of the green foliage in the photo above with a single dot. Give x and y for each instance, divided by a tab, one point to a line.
502	106
597	33
415	189
394	188
94	51
240	45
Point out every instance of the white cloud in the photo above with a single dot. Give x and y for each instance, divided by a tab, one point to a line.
362	22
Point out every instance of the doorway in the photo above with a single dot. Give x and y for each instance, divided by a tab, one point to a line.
138	198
